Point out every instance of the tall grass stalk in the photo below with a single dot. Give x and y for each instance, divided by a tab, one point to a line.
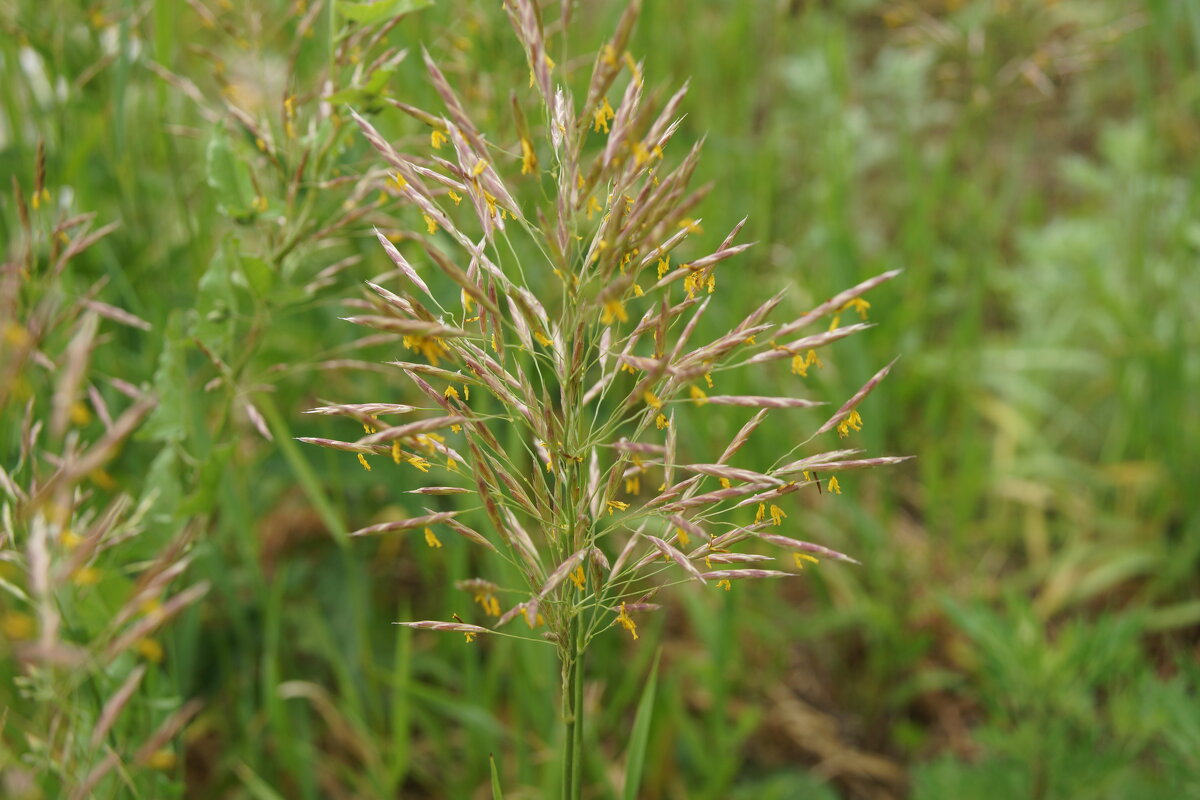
576	293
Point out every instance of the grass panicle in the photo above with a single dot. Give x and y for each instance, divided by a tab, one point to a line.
543	379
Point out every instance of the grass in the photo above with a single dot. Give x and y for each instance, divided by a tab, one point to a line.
1024	620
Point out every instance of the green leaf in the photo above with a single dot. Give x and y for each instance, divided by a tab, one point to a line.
367	96
163	487
208	480
368	13
216	303
259	789
636	758
1174	617
229	177
259	275
497	794
167	421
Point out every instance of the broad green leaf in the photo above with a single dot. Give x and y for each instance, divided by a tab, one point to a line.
167	423
365	97
260	277
368	13
216	303
229	177
636	758
208	480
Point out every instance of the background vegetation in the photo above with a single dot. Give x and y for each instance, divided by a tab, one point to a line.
1025	622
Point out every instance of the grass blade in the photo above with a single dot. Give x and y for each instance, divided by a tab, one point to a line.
641	734
497	794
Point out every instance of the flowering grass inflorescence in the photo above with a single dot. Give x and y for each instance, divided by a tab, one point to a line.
570	337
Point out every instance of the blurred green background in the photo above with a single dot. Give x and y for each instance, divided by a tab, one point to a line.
1026	621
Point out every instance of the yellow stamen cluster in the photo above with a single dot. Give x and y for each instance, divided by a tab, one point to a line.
431	539
724	584
700	280
529	160
455	196
634	70
17	626
149	649
430	223
800	558
603	113
834	486
601	246
858	304
490	199
86	576
617	505
633	485
549	65
627	623
662	422
652	399
578	577
708	558
698	395
777	515
664	266
363	460
852	422
430	347
613	310
684	539
437	139
289	113
800	364
430	441
488	602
